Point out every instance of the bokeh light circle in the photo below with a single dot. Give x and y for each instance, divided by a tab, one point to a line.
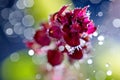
116	22
29	33
28	20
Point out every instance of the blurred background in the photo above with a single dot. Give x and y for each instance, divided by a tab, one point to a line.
20	18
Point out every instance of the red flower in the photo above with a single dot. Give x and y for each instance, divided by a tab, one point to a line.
42	38
77	54
55	32
72	38
54	57
72	28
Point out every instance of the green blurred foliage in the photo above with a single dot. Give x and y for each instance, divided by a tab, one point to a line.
23	69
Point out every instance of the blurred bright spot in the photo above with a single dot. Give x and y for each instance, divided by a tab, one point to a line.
109	72
116	23
95	34
89	61
87	79
28	3
14	57
95	1
9	31
100	38
100	43
61	48
20	4
107	65
100	14
100	75
94	71
31	52
29	33
28	20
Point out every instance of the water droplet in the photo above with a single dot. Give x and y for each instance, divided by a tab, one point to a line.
116	23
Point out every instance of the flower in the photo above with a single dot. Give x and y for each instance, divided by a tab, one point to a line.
72	28
54	57
41	38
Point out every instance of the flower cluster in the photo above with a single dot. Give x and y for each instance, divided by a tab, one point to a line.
70	32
